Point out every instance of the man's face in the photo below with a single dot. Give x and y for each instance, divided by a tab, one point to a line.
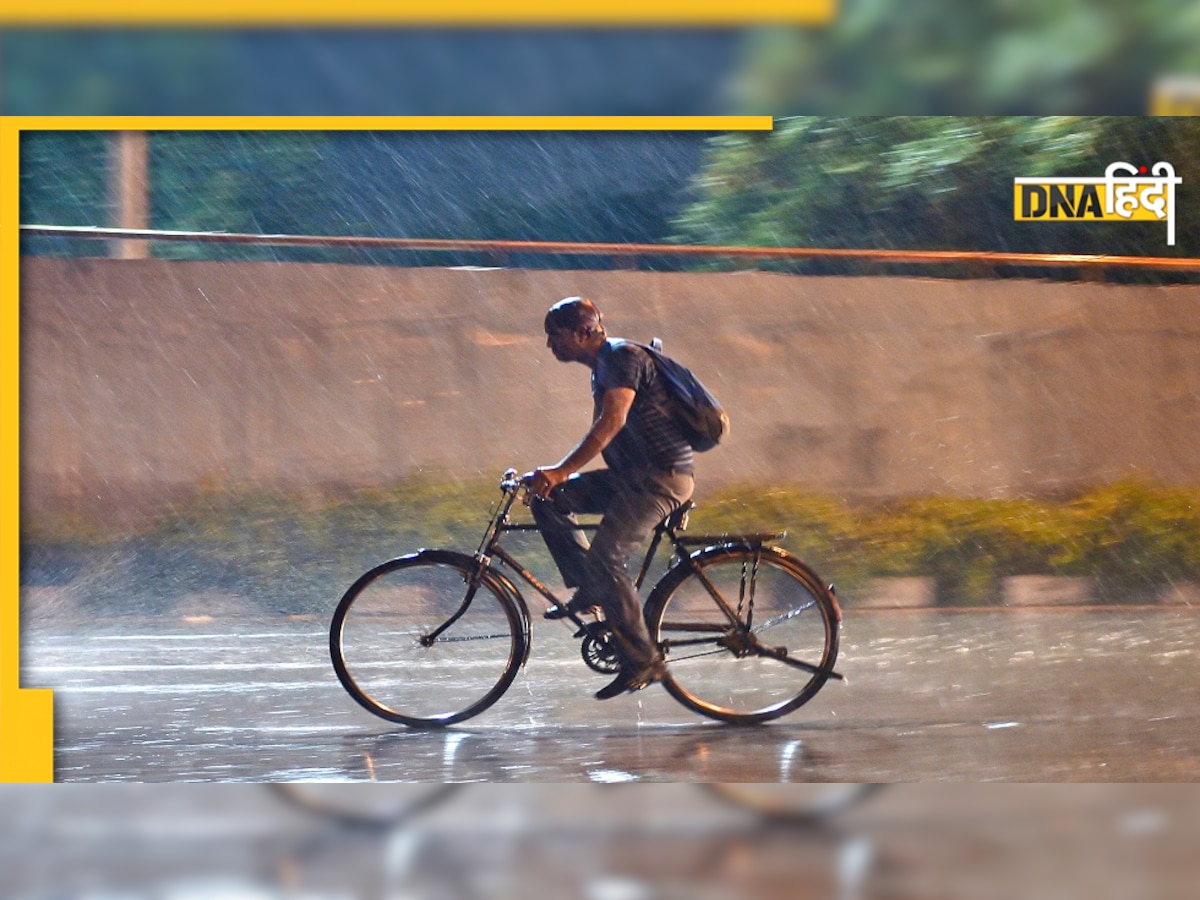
565	344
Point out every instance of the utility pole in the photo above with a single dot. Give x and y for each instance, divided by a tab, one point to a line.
130	180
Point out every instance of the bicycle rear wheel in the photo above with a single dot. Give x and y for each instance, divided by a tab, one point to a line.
414	642
769	658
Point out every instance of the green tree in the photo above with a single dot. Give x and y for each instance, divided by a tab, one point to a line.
993	56
63	182
928	183
256	182
252	182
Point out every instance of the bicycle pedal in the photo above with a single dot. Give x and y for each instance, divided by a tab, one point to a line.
591	628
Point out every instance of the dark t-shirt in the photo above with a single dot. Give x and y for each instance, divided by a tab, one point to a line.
649	439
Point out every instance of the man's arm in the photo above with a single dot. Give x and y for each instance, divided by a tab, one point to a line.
614	410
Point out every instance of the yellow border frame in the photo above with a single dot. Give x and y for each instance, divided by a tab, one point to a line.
376	12
27	714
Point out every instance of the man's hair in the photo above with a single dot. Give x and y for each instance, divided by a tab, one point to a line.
574	313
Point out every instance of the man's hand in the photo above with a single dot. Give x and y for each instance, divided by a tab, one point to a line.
545	479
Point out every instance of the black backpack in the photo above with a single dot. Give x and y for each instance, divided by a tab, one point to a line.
694	409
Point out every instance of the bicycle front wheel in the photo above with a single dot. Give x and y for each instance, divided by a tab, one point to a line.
749	634
414	641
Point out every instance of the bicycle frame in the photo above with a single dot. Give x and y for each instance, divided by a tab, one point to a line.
669	528
500	524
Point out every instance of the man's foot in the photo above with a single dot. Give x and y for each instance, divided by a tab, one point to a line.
628	681
575	605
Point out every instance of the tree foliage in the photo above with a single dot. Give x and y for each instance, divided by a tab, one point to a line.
993	56
63	182
500	186
929	183
238	181
855	182
199	181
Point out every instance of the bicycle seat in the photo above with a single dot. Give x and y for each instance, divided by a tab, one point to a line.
678	520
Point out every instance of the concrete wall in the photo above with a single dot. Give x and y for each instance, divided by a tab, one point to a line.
145	378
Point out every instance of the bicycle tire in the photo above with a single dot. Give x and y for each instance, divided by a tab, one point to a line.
375	805
379	640
802	804
719	674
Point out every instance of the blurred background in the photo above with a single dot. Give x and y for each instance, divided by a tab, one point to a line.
875	57
912	841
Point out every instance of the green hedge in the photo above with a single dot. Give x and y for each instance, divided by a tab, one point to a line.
1133	538
296	553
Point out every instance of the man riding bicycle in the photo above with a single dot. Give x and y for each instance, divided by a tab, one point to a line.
649	474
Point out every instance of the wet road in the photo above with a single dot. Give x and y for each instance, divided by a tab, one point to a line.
1004	695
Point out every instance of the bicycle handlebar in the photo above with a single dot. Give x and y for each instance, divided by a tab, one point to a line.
510	482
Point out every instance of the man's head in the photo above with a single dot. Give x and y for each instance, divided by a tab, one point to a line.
574	330
572	314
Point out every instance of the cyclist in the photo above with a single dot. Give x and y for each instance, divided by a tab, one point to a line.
648	474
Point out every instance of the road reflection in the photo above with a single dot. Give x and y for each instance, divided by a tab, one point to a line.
600	843
701	753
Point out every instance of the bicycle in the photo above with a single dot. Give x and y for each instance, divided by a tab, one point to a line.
429	639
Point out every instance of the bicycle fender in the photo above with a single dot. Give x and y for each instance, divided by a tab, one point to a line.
506	586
